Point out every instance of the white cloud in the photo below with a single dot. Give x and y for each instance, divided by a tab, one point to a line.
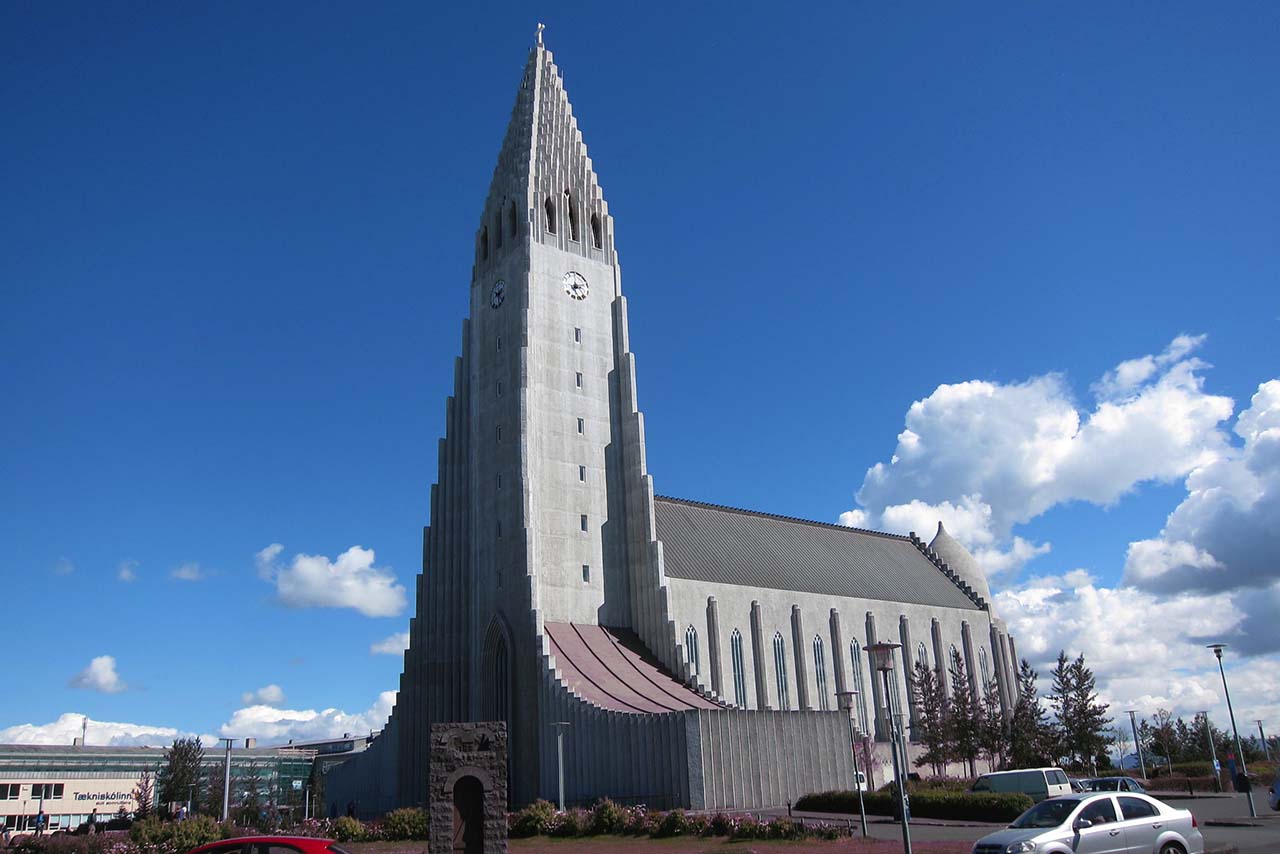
1146	649
392	645
189	571
350	581
64	566
100	675
127	571
985	456
101	733
272	726
267	695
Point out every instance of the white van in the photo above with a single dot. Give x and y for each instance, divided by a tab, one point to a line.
1039	783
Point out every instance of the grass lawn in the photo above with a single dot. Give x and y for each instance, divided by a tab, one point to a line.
681	845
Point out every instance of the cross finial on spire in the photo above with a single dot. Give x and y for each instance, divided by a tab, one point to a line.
541	27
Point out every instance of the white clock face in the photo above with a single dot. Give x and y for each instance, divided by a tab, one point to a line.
498	293
575	285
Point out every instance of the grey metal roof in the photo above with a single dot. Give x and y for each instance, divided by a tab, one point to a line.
705	542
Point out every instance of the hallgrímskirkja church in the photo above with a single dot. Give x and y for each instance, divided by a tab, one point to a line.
696	651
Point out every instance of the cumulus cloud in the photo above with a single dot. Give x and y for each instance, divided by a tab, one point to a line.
349	581
1147	649
100	676
102	733
392	645
64	566
985	456
127	571
271	725
267	695
189	571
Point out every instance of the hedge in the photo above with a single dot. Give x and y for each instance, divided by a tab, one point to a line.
936	803
542	819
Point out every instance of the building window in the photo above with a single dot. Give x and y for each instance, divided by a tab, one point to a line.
578	379
855	659
577	335
499	343
582	473
739	669
586	572
497	230
820	670
582	426
573	214
595	231
955	657
922	654
484	244
499	431
499	481
691	650
584	521
780	671
984	666
499	388
550	208
515	226
499	529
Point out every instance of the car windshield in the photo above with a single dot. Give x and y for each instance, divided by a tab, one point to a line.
1049	813
1103	785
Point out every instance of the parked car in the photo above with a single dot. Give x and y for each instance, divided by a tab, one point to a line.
1113	784
1114	823
270	845
1038	783
1077	784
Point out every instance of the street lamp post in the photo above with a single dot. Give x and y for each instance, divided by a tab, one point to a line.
1248	791
1133	722
1266	751
846	699
560	725
226	781
1213	752
882	660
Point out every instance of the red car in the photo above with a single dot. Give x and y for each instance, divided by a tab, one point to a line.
270	845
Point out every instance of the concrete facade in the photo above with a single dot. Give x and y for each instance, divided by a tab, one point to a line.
544	515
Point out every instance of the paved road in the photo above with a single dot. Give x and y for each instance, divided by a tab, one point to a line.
1214	812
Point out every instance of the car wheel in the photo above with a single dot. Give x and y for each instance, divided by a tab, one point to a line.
1172	848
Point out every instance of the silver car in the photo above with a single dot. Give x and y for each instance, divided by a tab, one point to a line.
1098	823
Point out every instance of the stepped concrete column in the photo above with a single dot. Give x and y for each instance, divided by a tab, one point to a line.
713	645
908	670
966	641
837	652
802	676
758	658
940	658
882	726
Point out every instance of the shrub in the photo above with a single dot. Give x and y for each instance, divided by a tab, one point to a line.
747	828
533	820
640	822
782	828
152	832
572	822
407	823
720	825
936	803
348	829
674	823
608	817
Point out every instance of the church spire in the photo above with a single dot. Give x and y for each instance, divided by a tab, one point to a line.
544	184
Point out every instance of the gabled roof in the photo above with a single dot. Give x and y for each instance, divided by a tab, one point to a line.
705	542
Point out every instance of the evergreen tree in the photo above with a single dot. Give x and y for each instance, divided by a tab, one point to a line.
1031	735
1088	736
1060	698
993	734
213	788
144	793
181	771
930	729
963	719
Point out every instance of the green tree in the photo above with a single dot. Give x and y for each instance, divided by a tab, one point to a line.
993	733
212	788
930	729
181	771
144	793
1082	720
1031	737
963	716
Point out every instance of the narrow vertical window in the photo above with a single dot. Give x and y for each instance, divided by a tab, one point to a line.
584	521
855	658
691	650
984	666
739	670
499	528
582	426
586	572
922	654
484	244
582	473
515	227
499	388
820	670
573	214
497	230
578	379
577	335
595	231
499	343
550	208
499	432
499	481
780	671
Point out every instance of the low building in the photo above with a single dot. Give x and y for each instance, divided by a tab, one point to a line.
69	782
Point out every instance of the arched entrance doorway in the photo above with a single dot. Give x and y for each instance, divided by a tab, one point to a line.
468	815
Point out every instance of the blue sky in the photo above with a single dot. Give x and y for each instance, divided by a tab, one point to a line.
238	243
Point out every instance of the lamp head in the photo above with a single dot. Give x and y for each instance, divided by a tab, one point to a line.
882	655
845	700
1217	649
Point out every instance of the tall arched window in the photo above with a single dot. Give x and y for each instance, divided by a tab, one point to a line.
922	654
597	239
484	243
984	666
501	682
820	670
497	230
855	659
953	658
739	670
511	220
691	649
780	670
550	208
573	214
